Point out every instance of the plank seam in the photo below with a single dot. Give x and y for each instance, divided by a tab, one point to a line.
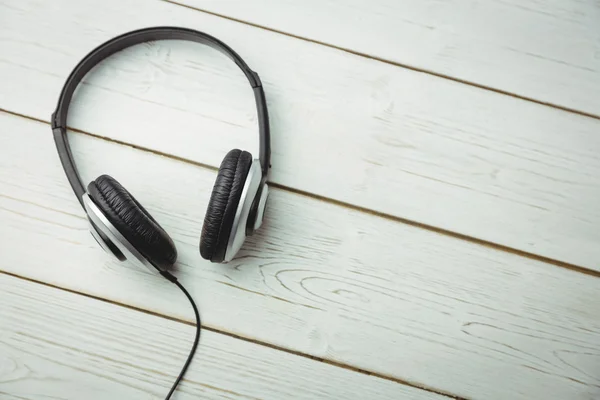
416	224
394	63
240	337
339	203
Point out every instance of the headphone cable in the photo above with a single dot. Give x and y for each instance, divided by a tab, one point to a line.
173	279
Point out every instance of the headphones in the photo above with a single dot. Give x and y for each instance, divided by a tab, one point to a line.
121	225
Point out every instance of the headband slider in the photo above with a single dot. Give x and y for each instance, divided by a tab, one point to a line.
256	82
56	123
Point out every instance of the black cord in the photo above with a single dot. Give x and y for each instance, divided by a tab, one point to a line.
196	339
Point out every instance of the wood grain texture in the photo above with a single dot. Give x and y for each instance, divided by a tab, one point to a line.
61	345
318	278
359	131
544	50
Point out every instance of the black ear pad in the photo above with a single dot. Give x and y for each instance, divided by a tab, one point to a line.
132	220
223	204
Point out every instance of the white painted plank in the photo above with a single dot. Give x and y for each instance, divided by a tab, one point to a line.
544	50
62	345
319	279
344	127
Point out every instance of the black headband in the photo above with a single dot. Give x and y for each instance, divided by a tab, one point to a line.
59	118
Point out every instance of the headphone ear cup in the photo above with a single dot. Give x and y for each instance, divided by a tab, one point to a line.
223	204
132	220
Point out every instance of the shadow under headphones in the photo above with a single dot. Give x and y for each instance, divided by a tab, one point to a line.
123	227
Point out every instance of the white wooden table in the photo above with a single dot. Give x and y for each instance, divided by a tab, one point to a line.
433	230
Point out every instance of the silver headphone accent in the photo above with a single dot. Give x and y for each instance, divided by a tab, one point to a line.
238	229
100	222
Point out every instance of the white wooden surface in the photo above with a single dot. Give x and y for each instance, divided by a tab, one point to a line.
544	50
414	146
61	345
332	299
328	282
